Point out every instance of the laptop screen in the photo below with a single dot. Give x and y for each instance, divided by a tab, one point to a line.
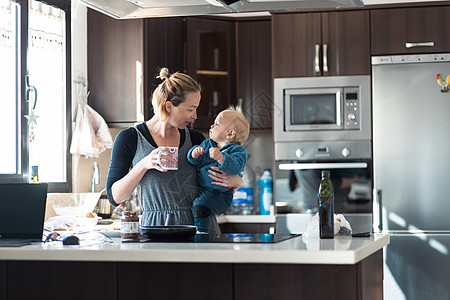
22	210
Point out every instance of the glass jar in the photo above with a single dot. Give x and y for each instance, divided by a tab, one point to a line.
129	225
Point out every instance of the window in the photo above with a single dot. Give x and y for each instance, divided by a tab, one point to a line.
9	125
35	91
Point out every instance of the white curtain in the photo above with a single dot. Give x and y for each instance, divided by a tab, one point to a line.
8	78
47	72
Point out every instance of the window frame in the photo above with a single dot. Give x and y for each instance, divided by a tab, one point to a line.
23	147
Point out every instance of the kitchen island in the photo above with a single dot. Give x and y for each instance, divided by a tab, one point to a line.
298	268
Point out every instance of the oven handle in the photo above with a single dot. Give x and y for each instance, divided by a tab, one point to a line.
315	166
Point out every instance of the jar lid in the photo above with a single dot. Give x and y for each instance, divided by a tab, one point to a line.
128	213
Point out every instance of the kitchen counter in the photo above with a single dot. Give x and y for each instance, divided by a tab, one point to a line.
298	250
349	268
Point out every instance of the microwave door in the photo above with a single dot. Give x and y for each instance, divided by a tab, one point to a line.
313	109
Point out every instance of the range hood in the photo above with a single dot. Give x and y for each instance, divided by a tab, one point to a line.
128	9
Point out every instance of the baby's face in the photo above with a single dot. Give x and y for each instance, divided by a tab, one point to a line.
219	129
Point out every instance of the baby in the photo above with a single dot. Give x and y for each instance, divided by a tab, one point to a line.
223	149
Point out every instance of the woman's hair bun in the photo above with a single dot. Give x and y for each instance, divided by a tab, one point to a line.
163	74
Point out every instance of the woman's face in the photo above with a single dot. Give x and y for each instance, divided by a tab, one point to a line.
182	115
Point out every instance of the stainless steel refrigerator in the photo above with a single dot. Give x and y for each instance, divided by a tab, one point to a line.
411	153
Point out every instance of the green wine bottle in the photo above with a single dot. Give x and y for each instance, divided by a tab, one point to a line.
326	207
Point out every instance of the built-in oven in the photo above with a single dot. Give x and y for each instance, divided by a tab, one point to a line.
322	108
298	174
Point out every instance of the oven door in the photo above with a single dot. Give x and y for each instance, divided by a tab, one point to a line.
313	109
297	184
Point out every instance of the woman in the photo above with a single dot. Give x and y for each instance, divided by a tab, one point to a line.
134	159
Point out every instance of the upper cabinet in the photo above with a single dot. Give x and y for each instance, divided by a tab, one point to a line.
164	47
254	69
115	68
124	58
211	59
410	30
321	44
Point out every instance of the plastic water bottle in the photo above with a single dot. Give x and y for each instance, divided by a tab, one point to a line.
243	198
266	198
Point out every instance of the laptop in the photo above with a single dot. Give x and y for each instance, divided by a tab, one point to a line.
22	213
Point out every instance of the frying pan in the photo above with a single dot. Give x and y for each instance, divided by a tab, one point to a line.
168	231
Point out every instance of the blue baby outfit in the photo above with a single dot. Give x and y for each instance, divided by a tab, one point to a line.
217	199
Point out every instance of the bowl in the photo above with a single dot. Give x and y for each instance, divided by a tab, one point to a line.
73	204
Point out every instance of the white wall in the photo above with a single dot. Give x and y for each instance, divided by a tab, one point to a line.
82	167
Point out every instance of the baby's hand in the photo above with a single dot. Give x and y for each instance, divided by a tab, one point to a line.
197	152
215	154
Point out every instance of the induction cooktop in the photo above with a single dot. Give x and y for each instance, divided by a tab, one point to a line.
251	238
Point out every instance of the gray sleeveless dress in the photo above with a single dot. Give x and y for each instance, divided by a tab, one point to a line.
171	192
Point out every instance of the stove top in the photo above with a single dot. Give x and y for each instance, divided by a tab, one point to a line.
251	238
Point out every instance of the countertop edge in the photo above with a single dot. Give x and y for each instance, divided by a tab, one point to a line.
205	253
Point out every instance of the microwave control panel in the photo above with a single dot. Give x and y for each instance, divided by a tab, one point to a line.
351	108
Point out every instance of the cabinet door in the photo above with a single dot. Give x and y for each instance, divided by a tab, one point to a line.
211	59
346	36
68	280
254	69
3	280
164	47
393	28
301	40
295	37
199	281
115	58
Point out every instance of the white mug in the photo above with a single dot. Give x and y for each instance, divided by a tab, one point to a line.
171	163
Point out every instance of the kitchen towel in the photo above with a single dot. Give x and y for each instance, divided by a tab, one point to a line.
91	135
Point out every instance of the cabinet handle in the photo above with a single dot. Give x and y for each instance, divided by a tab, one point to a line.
424	44
377	220
325	59
316	59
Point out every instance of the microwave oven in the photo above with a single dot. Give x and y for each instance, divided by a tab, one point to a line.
322	108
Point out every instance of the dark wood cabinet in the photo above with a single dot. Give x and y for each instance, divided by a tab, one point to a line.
321	44
115	72
362	281
124	57
211	60
165	45
410	30
3	280
254	69
200	281
59	280
179	280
